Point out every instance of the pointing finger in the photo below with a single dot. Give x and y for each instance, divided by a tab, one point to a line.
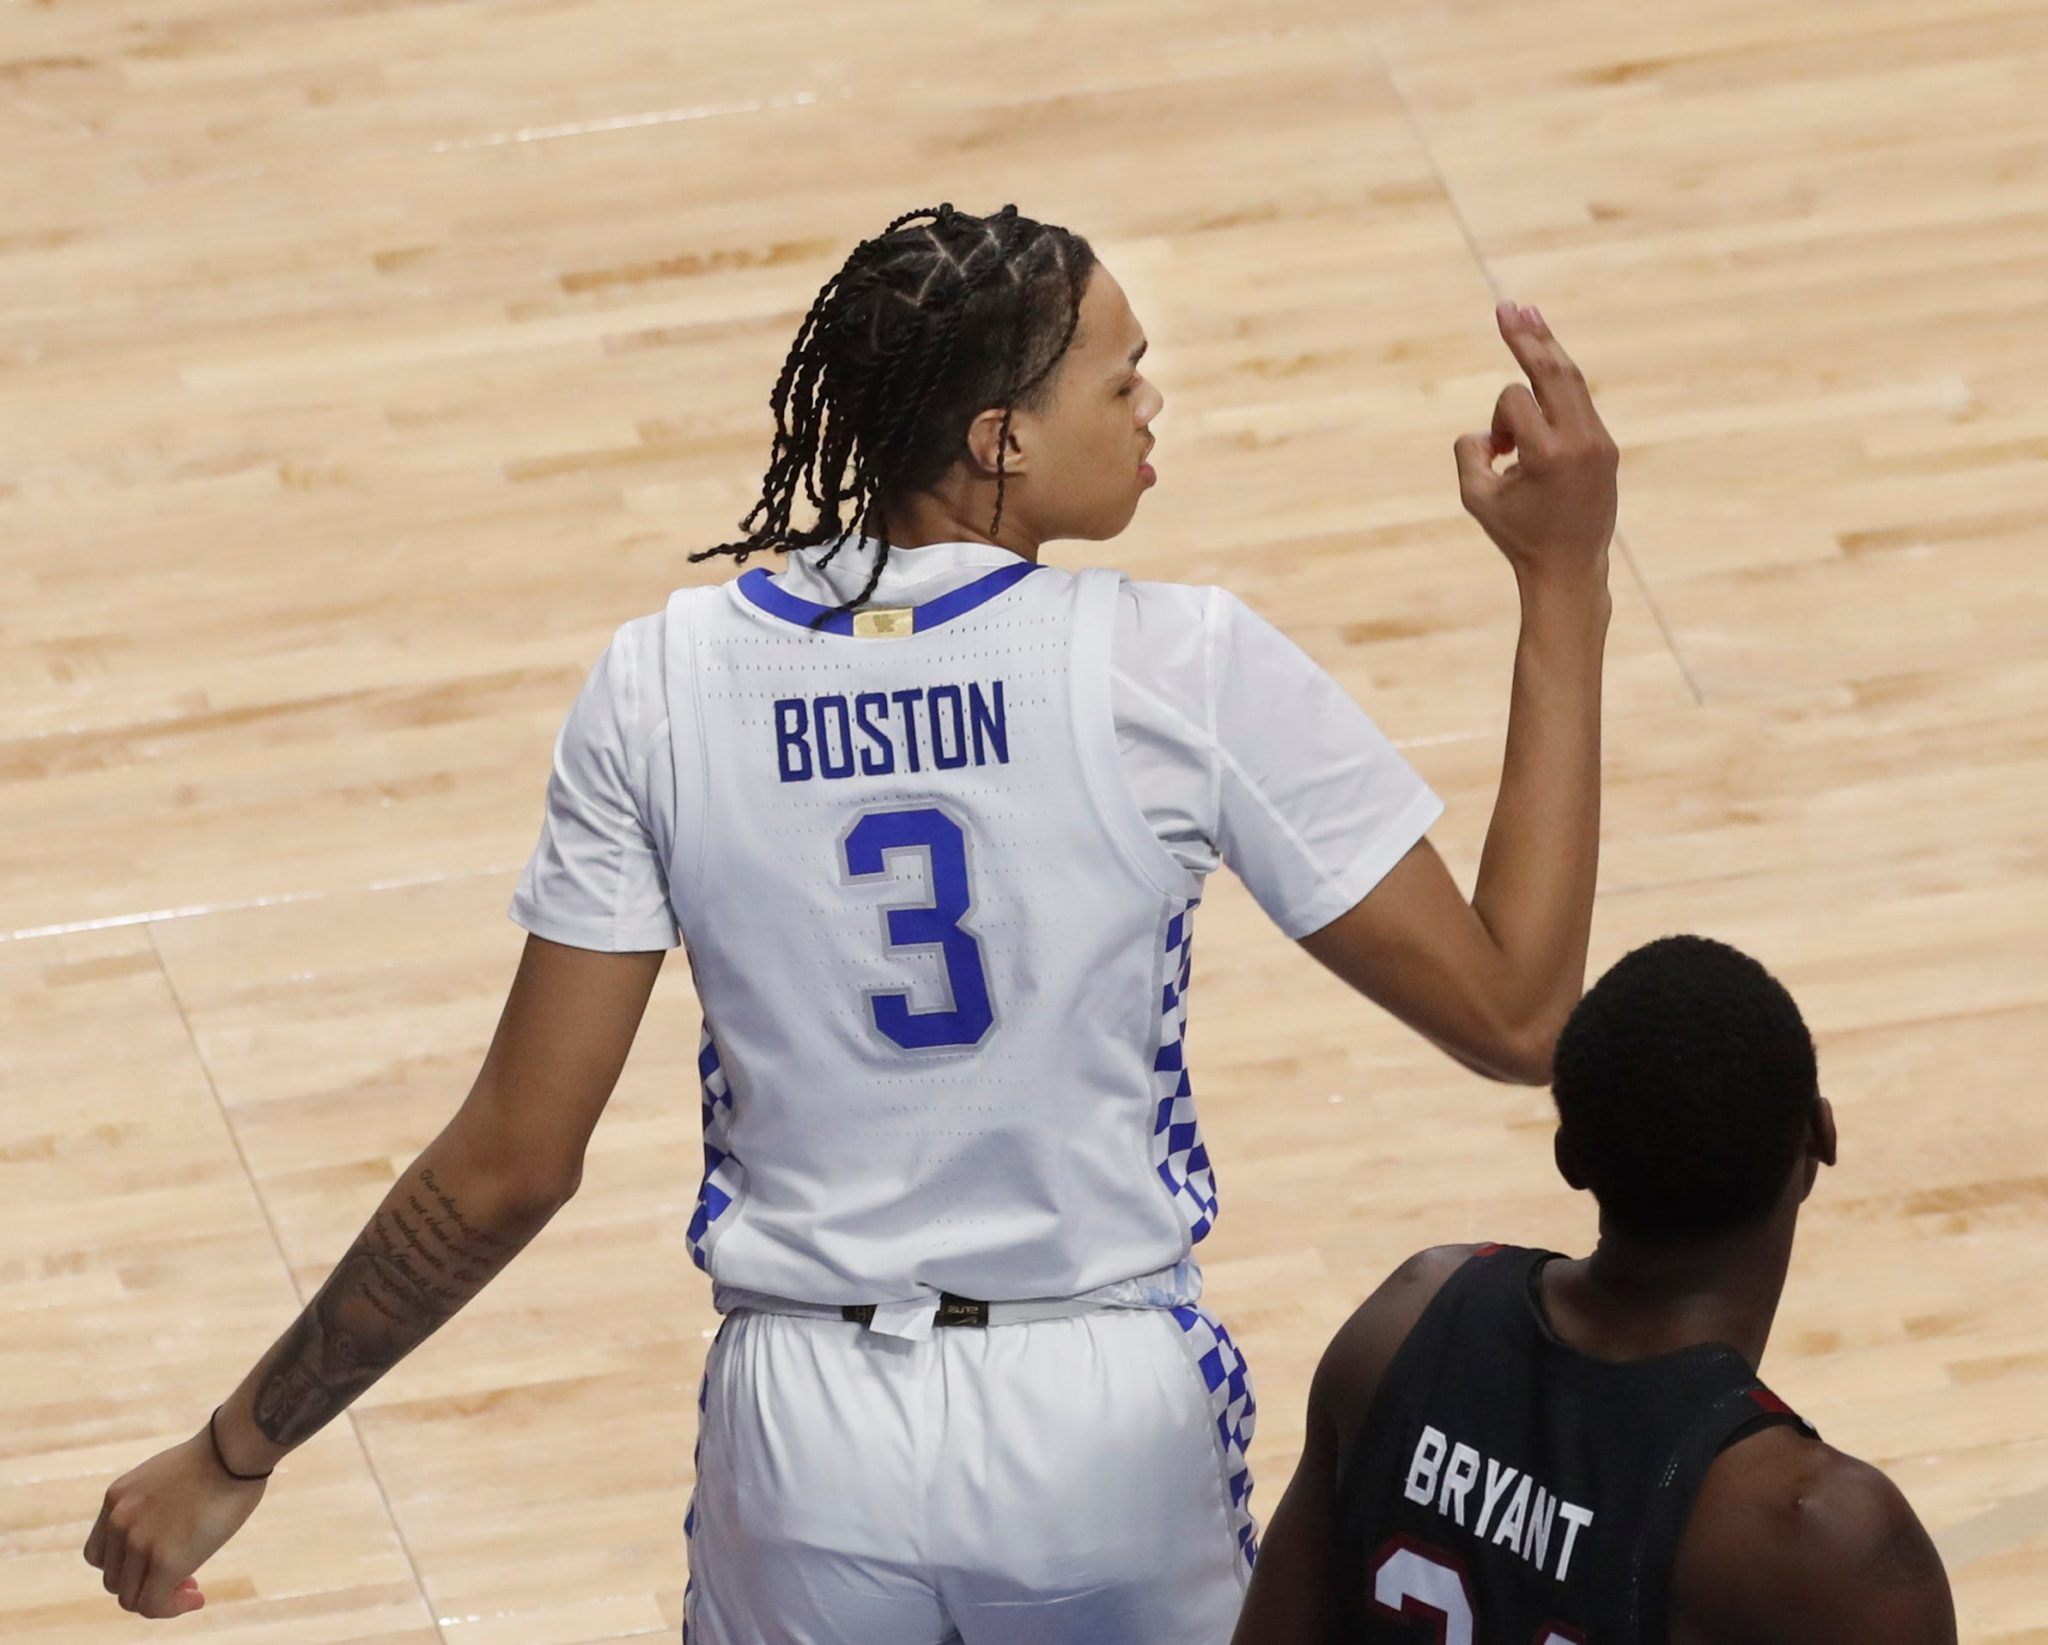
1559	385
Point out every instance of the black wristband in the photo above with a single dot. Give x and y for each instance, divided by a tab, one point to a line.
223	1461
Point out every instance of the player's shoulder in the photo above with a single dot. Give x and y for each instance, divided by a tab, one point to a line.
623	699
1366	1343
1832	1506
1198	635
1791	1539
1405	1294
1186	604
1416	1282
1190	602
640	639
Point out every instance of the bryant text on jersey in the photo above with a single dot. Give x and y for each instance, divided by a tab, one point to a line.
1522	1514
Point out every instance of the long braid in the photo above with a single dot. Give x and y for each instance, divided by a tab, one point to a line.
791	457
897	353
783	453
899	426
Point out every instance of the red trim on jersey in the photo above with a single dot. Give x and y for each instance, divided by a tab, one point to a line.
1488	1249
1770	1402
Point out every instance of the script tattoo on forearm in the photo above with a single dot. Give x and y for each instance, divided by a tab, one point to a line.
416	1263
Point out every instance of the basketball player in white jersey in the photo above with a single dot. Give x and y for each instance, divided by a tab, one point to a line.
931	820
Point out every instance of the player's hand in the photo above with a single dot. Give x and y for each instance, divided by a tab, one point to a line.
1552	510
164	1519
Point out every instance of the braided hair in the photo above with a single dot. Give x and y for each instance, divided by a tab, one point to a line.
937	318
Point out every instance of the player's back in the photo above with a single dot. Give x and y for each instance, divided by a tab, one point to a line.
942	959
1507	1488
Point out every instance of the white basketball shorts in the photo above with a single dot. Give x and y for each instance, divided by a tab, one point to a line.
1055	1482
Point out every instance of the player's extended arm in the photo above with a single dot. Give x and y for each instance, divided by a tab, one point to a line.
1297	1594
1492	981
475	1196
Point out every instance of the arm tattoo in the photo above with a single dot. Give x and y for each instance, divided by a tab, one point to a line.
413	1266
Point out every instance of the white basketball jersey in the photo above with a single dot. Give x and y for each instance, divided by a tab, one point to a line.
942	958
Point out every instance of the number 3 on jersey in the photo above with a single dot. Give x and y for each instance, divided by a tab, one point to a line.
933	924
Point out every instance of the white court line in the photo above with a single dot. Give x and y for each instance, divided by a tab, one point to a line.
626	122
71	927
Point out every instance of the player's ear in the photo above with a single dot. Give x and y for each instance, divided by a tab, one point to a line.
1820	1143
985	438
1567	1159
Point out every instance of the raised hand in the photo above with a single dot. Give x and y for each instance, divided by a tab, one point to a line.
1551	511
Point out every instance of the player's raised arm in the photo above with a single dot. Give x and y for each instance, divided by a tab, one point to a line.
1491	981
472	1200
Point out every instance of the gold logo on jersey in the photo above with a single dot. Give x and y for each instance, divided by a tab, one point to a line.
884	622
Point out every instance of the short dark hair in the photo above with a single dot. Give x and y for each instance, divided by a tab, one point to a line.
1685	1083
933	321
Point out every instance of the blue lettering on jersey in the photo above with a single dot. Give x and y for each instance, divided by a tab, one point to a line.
943	704
989	721
792	752
950	726
878	759
909	699
831	717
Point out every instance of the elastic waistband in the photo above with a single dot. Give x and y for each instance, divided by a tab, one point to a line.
1175	1286
918	1319
951	1310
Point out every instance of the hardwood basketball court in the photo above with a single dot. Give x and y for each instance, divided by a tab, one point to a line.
365	363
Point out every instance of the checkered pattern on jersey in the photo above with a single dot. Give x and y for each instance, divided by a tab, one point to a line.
1177	1149
696	1476
722	1173
1229	1381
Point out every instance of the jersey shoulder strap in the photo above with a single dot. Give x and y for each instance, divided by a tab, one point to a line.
1095	593
1746	1408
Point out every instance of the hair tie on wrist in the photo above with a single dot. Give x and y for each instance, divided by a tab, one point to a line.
223	1461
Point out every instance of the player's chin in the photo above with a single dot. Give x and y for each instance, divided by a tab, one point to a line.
1111	519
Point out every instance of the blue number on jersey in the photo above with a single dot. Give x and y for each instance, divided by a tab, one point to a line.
935	924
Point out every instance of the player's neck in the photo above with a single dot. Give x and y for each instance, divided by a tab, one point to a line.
958	512
1633	1298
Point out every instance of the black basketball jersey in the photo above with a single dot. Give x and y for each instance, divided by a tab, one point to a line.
1505	1489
